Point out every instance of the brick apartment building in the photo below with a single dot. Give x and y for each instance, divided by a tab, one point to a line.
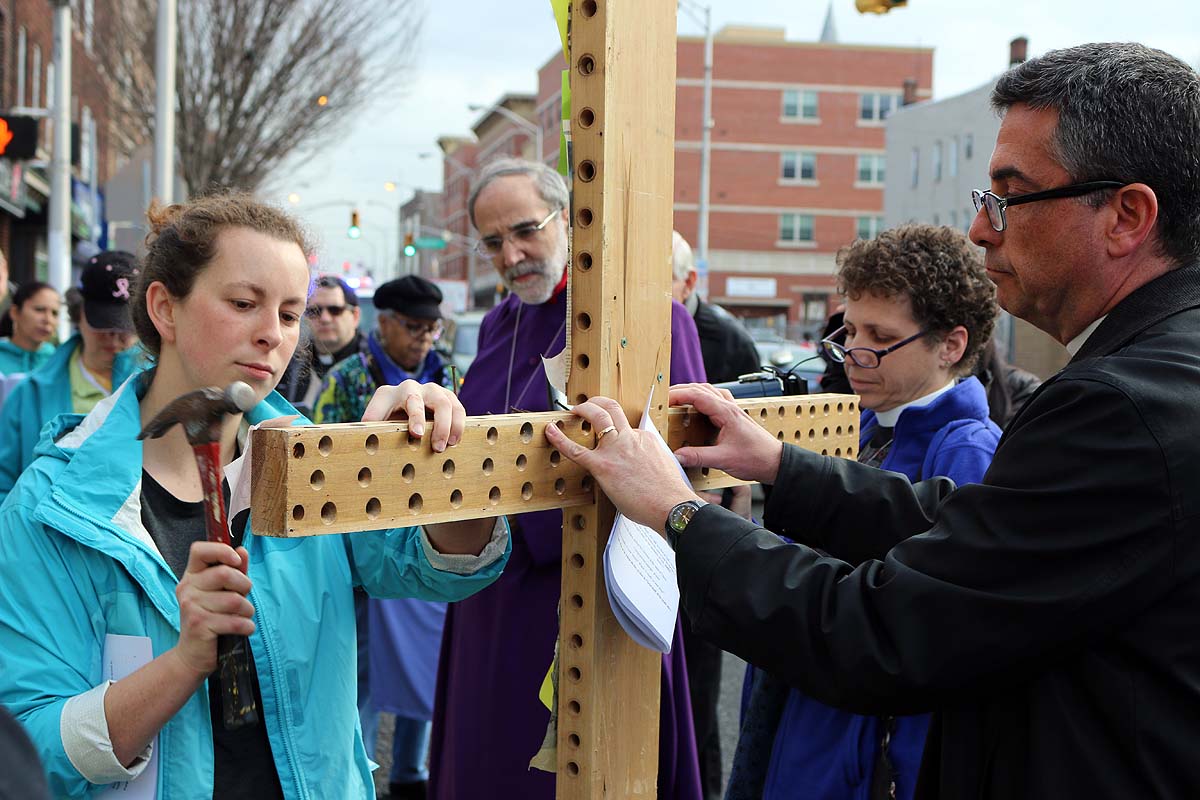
797	160
26	81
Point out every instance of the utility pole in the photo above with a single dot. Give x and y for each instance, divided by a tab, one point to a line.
694	9
164	105
59	222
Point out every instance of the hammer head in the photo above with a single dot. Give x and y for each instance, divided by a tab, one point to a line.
200	412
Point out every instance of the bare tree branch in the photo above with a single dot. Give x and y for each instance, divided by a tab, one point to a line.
249	73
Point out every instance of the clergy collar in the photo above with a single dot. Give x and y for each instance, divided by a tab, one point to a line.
562	287
1075	344
888	418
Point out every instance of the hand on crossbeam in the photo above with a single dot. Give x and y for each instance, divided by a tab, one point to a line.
744	448
636	473
411	400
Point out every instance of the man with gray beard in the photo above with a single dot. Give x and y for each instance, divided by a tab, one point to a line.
486	732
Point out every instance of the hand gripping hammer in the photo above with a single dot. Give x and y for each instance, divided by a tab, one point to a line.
201	413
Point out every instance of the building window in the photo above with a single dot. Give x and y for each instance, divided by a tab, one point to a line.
915	166
877	106
798	166
871	168
35	99
868	227
952	157
88	23
799	104
936	155
21	67
968	146
795	227
816	307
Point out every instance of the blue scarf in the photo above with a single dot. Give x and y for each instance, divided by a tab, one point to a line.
429	372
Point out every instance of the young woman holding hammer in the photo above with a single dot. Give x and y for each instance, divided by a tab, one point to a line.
104	554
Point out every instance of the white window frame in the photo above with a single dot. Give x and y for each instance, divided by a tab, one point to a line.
800	96
877	170
791	225
870	225
798	159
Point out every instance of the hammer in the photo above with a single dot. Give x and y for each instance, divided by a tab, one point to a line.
201	413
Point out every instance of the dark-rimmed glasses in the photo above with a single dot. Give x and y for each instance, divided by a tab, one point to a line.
864	357
314	312
491	246
995	204
418	329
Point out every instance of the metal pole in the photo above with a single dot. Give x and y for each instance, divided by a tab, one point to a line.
59	222
164	105
705	153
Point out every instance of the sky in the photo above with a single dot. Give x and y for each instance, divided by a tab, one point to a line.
475	51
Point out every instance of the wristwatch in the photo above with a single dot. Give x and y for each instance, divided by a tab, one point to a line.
678	519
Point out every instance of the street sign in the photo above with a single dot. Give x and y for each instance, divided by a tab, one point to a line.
429	243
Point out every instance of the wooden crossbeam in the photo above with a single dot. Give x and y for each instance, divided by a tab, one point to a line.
320	479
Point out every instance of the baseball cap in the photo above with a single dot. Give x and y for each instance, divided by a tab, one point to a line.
106	284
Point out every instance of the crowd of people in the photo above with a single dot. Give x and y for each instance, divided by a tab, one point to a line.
993	600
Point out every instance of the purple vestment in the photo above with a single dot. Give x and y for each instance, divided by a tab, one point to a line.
498	643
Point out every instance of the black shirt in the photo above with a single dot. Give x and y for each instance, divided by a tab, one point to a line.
243	764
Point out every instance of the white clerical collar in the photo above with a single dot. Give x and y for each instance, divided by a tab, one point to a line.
888	418
1076	344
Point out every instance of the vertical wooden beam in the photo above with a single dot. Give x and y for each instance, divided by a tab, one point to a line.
623	123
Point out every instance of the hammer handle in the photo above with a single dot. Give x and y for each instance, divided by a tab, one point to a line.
234	668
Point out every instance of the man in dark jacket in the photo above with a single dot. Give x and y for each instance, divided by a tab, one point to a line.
725	344
332	317
1047	615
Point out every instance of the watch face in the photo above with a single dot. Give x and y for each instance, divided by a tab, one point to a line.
682	514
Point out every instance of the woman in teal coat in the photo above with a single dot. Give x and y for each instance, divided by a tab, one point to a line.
33	317
104	550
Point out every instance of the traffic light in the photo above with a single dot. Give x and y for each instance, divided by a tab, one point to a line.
878	6
354	231
410	248
18	137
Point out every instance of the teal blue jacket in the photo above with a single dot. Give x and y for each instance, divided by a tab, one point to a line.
77	564
40	398
17	359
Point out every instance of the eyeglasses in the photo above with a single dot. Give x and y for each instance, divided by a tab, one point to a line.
864	357
314	312
417	329
491	246
995	204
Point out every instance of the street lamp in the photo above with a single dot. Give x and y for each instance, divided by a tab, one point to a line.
516	119
703	15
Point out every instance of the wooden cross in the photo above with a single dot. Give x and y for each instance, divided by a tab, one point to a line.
362	476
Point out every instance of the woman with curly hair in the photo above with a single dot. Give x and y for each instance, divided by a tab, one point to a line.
919	312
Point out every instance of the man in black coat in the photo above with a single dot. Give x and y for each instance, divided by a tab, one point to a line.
331	318
1048	615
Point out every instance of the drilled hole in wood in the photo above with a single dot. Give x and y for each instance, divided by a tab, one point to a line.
456	498
583	361
825	433
527	491
522	462
494	495
850	408
329	513
837	451
797	436
574	674
317	480
587	65
838	430
587	118
824	451
579	521
372	445
762	413
584	217
840	407
812	412
587	483
580	398
414	503
488	466
799	410
491	435
574	707
297	513
812	434
779	436
577	560
560	487
583	321
408	473
572	769
704	471
584	260
373	508
586	427
850	429
298	450
364	477
781	411
555	458
577	600
587	171
573	740
325	446
588	8
826	409
448	468
849	452
576	641
527	432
